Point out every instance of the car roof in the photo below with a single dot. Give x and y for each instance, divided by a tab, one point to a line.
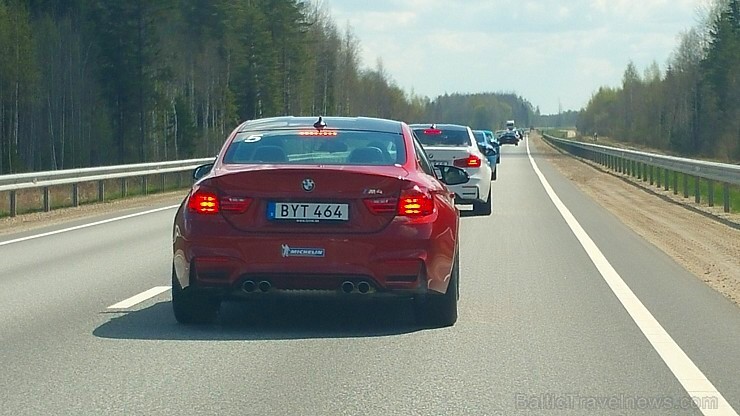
438	126
340	123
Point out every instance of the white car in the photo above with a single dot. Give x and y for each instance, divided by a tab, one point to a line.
455	145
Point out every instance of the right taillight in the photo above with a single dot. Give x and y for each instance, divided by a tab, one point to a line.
415	203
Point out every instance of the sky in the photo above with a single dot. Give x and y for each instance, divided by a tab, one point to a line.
554	53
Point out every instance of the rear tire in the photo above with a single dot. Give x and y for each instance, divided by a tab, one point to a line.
191	306
438	311
494	174
483	208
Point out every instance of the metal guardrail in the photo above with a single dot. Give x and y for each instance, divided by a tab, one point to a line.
45	180
658	168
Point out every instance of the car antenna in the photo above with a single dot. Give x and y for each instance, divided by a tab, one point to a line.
319	124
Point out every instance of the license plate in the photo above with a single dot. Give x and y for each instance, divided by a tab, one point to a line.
307	211
442	163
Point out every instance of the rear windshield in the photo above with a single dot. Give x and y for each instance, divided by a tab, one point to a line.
312	147
434	137
480	137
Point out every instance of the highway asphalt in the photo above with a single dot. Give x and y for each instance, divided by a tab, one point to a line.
541	329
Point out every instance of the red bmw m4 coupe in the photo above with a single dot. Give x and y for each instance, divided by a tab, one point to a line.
338	206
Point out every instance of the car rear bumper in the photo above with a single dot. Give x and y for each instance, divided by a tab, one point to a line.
403	261
471	190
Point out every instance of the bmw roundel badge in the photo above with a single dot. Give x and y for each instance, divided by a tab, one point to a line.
308	184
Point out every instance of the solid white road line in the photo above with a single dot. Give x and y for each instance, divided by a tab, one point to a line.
688	374
141	297
92	224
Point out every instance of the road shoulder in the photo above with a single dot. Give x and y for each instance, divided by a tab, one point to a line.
705	244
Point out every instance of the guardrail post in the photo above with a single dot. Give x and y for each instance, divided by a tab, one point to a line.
685	185
652	181
697	192
710	195
14	203
75	195
124	188
675	183
666	179
145	185
164	182
101	191
726	196
47	202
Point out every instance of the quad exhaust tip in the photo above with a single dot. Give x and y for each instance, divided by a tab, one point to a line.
264	286
363	287
249	286
348	287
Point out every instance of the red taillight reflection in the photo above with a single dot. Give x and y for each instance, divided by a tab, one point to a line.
382	205
203	202
471	161
235	204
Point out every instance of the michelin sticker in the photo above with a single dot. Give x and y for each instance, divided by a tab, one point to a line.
288	251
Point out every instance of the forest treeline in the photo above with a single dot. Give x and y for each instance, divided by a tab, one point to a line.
100	82
693	108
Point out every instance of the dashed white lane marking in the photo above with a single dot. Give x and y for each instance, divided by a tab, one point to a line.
141	297
79	227
688	374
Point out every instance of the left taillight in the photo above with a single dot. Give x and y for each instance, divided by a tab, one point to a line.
207	202
203	202
471	161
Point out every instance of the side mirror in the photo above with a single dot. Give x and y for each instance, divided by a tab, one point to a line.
202	171
451	175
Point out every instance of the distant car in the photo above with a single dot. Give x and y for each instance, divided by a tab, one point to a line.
493	139
522	134
509	137
343	207
488	149
454	145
